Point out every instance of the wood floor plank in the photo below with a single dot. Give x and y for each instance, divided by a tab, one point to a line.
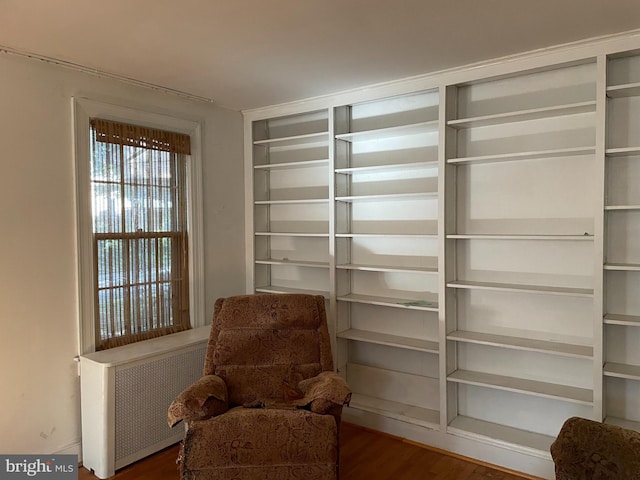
364	455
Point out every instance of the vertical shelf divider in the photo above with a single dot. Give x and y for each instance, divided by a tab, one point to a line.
341	249
599	241
249	223
332	312
447	253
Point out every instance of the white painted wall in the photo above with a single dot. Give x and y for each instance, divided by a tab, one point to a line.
39	403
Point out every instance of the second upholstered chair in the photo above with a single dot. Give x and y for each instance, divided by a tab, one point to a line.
269	404
589	450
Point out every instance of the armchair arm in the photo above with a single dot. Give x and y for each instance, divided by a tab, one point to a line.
325	393
206	398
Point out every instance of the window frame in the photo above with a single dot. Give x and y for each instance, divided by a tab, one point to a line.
83	110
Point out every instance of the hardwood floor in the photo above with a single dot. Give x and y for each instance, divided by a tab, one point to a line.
364	455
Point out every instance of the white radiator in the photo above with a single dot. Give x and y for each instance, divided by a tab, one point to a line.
125	393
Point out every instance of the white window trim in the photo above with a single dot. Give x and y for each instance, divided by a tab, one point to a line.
83	110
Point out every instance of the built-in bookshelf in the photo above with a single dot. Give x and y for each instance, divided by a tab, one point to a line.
475	239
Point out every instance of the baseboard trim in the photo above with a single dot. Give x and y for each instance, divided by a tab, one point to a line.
74	448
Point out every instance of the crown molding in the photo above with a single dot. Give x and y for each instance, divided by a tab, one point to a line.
100	73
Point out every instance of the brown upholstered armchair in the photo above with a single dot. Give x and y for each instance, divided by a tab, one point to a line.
588	450
269	403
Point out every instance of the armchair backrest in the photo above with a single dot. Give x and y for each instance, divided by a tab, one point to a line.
259	342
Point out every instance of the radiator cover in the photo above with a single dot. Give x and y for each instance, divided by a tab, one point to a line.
125	393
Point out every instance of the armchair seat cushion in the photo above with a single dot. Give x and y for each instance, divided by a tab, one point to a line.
255	443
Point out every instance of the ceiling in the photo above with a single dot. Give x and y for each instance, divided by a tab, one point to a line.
245	54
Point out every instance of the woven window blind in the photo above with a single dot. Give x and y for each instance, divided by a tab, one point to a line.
139	210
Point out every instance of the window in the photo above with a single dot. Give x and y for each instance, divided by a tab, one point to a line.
139	232
139	225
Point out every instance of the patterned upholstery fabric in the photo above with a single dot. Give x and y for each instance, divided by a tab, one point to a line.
262	443
588	450
269	404
205	398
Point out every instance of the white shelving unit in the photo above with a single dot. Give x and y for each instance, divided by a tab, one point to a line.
622	258
520	235
475	235
386	255
291	203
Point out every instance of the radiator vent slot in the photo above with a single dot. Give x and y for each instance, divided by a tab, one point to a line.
143	394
